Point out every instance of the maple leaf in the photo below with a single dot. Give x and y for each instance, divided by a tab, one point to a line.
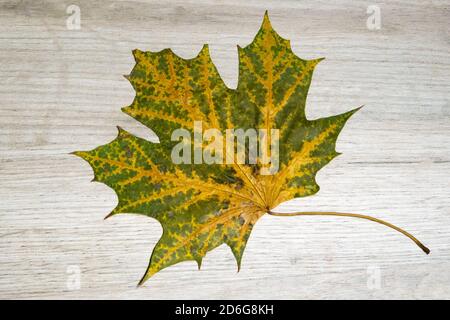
202	206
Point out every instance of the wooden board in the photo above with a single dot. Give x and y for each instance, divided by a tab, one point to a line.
61	90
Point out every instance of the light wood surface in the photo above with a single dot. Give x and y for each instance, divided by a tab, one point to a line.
61	90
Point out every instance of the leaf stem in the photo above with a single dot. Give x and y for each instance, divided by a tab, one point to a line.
353	215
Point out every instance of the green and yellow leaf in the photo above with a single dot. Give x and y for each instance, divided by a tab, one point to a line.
201	206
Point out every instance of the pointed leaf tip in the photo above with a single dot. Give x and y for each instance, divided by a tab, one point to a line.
80	154
146	276
199	263
109	215
121	132
137	54
204	51
266	21
356	109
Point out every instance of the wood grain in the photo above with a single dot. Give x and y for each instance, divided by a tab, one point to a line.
61	90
